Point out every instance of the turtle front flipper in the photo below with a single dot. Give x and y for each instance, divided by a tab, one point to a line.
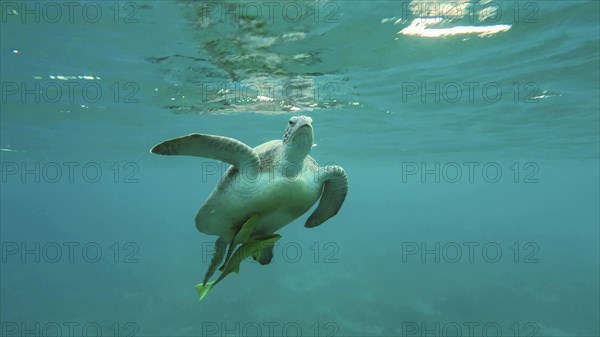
225	149
335	188
250	248
241	237
220	246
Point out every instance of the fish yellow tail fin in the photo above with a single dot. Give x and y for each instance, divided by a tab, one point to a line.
250	248
203	289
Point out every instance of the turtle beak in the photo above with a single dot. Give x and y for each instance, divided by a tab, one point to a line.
298	125
306	120
303	125
303	121
298	138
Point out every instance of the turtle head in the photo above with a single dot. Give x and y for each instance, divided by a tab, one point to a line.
298	138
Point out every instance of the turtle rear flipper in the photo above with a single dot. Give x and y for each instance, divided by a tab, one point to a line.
241	237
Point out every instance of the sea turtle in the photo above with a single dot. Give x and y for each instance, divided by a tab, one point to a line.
264	189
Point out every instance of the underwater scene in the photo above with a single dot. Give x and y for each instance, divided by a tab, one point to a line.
300	168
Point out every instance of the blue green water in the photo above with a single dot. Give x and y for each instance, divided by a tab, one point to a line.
472	157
